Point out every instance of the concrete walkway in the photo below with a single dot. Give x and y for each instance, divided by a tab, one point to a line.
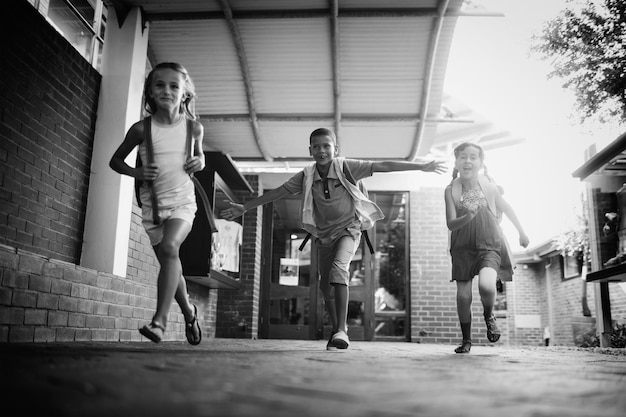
234	377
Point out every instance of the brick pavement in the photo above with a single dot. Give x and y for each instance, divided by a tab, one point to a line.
235	377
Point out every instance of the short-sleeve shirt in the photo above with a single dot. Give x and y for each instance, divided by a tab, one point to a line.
333	213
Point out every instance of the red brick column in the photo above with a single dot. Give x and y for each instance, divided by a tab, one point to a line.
238	310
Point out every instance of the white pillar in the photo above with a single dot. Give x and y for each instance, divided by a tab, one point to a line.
110	198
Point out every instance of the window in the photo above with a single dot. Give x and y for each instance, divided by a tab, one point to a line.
81	22
572	264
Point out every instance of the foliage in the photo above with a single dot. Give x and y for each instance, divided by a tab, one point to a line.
587	339
618	337
576	240
587	45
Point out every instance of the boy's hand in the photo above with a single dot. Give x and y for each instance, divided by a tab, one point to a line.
235	210
147	172
194	164
434	166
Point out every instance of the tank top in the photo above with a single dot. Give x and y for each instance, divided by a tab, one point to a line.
173	186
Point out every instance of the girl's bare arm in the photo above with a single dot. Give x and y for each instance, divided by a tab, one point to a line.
506	208
454	222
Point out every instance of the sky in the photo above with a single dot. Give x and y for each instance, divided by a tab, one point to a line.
492	70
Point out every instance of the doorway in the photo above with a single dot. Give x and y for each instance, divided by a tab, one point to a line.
292	306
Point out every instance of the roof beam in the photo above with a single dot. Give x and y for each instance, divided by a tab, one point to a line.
334	40
328	118
247	80
317	13
428	77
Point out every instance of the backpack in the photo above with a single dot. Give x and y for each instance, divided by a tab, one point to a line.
350	178
147	139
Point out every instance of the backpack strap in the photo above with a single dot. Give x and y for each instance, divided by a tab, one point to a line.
350	178
206	204
306	239
147	140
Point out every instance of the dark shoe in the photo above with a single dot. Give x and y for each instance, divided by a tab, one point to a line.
493	332
153	331
465	347
191	327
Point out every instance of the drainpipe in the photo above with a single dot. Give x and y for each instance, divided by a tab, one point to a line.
549	291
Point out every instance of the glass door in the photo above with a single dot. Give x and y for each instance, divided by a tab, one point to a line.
378	291
292	306
289	292
390	276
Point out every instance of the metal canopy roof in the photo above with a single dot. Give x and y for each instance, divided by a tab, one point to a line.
609	161
267	73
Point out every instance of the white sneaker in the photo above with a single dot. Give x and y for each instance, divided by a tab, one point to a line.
340	340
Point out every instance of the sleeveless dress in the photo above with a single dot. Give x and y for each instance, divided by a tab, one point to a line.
479	243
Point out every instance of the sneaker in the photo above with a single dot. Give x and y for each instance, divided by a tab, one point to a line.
329	345
493	332
340	340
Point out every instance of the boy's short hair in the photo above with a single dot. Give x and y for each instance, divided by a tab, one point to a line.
322	131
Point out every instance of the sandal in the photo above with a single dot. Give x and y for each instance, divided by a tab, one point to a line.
465	347
189	328
493	332
149	331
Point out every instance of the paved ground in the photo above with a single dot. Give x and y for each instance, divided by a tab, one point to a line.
233	377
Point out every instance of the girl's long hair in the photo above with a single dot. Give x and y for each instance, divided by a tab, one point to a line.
187	105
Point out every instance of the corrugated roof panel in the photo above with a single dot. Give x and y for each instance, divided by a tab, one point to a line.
387	4
293	97
169	6
382	64
288	140
220	98
379	48
380	97
376	140
287	49
206	49
290	63
233	138
278	4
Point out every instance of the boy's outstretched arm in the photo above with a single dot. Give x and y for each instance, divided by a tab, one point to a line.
237	210
392	166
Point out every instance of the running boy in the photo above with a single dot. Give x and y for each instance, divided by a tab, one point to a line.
334	212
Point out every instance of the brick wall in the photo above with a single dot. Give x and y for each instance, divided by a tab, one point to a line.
618	302
238	311
48	104
527	303
46	300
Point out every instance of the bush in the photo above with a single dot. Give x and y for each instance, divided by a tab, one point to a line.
618	338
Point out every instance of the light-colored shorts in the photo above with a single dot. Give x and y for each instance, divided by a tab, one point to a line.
334	259
155	231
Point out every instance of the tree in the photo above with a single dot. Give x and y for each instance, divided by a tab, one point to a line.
587	45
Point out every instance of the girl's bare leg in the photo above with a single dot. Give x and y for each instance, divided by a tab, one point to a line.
170	274
487	287
487	278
